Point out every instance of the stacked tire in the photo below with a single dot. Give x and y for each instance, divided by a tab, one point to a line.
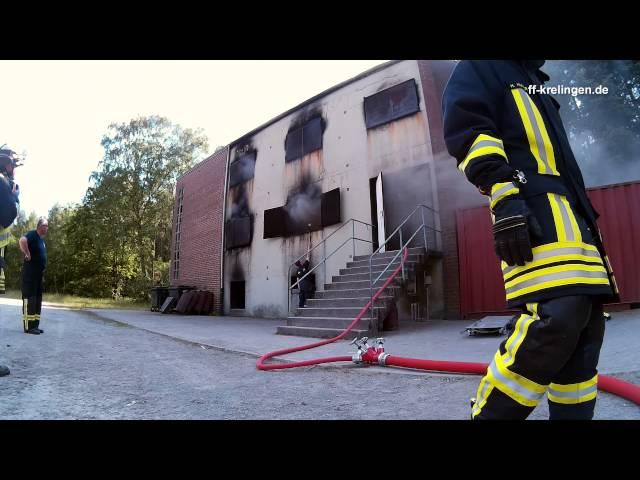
195	302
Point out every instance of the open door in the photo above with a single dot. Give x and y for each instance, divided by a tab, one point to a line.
380	211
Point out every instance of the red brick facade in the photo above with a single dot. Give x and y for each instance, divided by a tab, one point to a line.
201	226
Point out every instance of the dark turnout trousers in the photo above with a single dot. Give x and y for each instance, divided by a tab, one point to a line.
554	349
2	286
31	298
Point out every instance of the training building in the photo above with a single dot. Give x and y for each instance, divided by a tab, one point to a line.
339	173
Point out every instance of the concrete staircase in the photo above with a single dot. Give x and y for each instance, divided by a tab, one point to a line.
334	308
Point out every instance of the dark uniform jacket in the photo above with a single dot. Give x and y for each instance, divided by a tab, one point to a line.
509	140
8	207
306	285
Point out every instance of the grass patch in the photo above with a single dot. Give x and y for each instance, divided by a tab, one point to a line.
73	301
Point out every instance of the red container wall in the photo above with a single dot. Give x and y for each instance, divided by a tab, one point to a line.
481	286
619	222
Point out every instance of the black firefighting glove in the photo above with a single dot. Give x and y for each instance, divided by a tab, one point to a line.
512	229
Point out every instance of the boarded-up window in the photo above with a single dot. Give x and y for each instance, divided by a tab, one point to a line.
242	169
331	207
303	140
303	214
391	104
274	222
238	232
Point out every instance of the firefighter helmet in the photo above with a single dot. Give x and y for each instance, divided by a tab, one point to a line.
9	157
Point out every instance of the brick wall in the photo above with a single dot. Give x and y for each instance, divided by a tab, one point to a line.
201	229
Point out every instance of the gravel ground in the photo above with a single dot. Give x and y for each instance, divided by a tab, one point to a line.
84	367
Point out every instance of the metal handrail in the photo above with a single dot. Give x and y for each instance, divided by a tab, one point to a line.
422	227
324	260
325	239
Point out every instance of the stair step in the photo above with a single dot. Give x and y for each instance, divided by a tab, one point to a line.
383	262
351	293
334	312
376	268
351	277
359	284
354	302
326	322
390	254
315	332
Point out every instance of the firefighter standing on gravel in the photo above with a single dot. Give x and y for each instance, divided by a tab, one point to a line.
35	262
509	141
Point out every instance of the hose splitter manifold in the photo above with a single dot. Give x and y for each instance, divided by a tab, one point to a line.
368	354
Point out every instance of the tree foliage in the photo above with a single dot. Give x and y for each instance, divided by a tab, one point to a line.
113	242
604	130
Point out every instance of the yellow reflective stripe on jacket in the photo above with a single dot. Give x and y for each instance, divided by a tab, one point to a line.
501	190
483	145
560	275
564	219
555	252
519	333
4	236
521	389
574	393
539	141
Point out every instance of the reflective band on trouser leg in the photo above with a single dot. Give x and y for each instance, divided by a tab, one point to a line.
2	285
518	387
539	141
483	145
574	393
514	389
519	333
501	190
25	315
484	390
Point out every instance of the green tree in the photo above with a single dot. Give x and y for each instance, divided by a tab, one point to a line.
126	212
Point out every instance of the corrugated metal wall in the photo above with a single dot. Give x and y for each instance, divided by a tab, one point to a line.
481	286
619	222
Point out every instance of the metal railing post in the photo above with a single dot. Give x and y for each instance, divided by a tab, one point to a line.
403	279
353	235
370	289
424	230
288	280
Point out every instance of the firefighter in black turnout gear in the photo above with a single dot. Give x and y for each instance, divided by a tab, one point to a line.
35	262
509	141
9	192
305	286
8	211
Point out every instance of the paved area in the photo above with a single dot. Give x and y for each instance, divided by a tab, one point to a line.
110	364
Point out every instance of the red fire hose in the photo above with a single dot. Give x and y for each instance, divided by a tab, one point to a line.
377	355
